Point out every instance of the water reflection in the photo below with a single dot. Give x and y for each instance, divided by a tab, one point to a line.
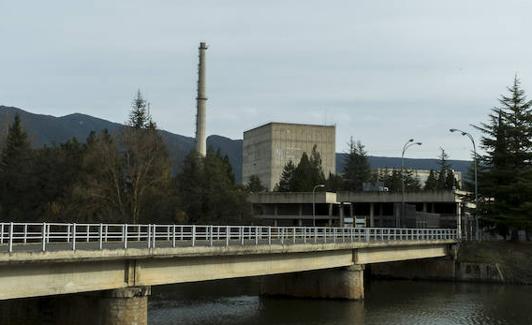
387	302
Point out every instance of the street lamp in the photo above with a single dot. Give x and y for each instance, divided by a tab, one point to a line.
314	203
476	177
407	145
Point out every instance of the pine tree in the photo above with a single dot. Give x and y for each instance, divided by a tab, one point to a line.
254	185
505	175
286	180
139	117
16	182
356	169
444	170
431	184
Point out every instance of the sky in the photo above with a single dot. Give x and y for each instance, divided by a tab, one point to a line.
382	71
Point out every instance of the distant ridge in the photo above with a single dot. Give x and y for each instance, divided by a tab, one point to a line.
49	130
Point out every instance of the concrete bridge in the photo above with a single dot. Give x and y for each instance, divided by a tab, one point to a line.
108	269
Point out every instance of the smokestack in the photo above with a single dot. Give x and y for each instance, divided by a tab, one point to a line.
201	101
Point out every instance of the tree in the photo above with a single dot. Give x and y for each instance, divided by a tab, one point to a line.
208	192
308	173
431	184
127	177
334	183
286	180
254	185
444	170
505	175
356	169
16	184
139	116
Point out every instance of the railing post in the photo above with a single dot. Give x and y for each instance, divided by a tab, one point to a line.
148	234
256	235
154	233
173	235
106	230
73	237
227	235
10	237
193	235
47	233
125	236
210	236
2	233
100	236
269	235
294	234
241	233
25	233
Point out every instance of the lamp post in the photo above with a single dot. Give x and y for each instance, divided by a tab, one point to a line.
407	145
314	203
477	234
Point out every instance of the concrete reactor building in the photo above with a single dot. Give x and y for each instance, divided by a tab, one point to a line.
268	148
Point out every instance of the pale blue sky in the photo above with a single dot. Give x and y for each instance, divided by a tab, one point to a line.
382	70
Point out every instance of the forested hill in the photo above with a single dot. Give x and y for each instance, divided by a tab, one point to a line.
49	130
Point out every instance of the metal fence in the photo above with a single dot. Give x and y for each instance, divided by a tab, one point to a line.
72	236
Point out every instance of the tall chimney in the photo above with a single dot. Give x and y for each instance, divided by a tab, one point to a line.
201	101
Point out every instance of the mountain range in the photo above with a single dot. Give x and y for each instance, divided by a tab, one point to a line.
49	130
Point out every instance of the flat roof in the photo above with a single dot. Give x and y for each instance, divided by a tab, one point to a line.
355	197
293	124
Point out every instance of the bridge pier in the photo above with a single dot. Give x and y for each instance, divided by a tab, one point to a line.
338	283
119	306
125	306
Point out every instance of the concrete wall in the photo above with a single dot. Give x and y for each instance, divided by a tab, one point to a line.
268	148
445	269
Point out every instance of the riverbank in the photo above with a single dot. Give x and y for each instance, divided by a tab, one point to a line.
513	259
493	261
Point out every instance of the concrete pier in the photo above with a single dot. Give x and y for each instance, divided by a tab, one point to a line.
120	306
338	283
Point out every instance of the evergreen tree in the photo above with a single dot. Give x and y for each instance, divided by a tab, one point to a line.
431	184
16	182
411	181
444	170
286	180
139	117
307	174
356	169
207	191
254	185
505	170
334	183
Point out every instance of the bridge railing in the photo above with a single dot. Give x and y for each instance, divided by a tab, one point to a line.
72	236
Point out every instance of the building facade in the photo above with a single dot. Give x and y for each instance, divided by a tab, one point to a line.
378	209
268	148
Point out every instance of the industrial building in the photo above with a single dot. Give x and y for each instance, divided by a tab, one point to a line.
377	209
268	148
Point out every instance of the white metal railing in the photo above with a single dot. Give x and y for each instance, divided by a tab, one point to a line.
72	236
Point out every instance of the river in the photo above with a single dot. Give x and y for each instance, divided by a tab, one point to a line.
387	302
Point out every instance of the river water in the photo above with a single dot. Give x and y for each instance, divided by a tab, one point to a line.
387	302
